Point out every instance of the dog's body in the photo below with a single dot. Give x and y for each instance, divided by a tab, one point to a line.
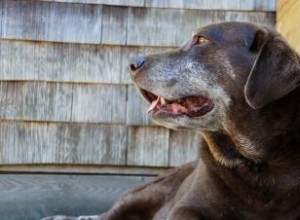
236	84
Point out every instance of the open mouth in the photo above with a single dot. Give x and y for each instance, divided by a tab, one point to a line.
191	106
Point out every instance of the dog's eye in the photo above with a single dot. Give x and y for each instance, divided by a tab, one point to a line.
202	40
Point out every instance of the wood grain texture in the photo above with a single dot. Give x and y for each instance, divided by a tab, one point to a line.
82	23
114	25
63	102
173	27
3	104
243	5
62	143
135	3
36	101
240	5
94	144
56	62
288	17
92	169
148	146
99	103
27	197
51	21
184	147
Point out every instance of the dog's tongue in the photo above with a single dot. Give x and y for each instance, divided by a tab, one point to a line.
154	104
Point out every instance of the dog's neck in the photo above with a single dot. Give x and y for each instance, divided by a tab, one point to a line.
258	153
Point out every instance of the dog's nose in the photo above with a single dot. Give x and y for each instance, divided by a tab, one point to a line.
136	63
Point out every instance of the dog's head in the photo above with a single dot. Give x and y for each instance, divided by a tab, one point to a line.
223	68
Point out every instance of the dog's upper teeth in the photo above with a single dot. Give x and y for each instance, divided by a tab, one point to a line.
163	101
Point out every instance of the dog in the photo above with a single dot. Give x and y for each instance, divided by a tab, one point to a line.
237	84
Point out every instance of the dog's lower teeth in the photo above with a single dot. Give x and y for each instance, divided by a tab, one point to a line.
163	101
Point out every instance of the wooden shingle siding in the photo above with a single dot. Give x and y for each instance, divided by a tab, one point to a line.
36	101
134	3
40	101
114	25
159	27
81	23
241	5
66	96
64	143
99	103
56	62
77	143
50	21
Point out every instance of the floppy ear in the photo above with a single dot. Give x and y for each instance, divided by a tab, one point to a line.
275	72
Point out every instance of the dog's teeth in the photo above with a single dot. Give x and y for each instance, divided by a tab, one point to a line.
163	101
154	104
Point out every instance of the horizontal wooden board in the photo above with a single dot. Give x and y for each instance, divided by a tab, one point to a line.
94	144
66	102
86	23
51	21
173	27
239	5
92	169
30	143
243	5
56	62
36	196
134	3
36	101
63	102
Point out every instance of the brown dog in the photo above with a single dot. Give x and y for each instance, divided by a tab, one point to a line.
236	83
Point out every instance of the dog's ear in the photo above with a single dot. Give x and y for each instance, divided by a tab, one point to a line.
275	72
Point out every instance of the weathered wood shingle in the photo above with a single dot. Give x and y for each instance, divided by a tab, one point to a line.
84	23
240	5
40	101
99	103
56	62
36	101
134	3
77	143
159	27
66	96
51	21
63	143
